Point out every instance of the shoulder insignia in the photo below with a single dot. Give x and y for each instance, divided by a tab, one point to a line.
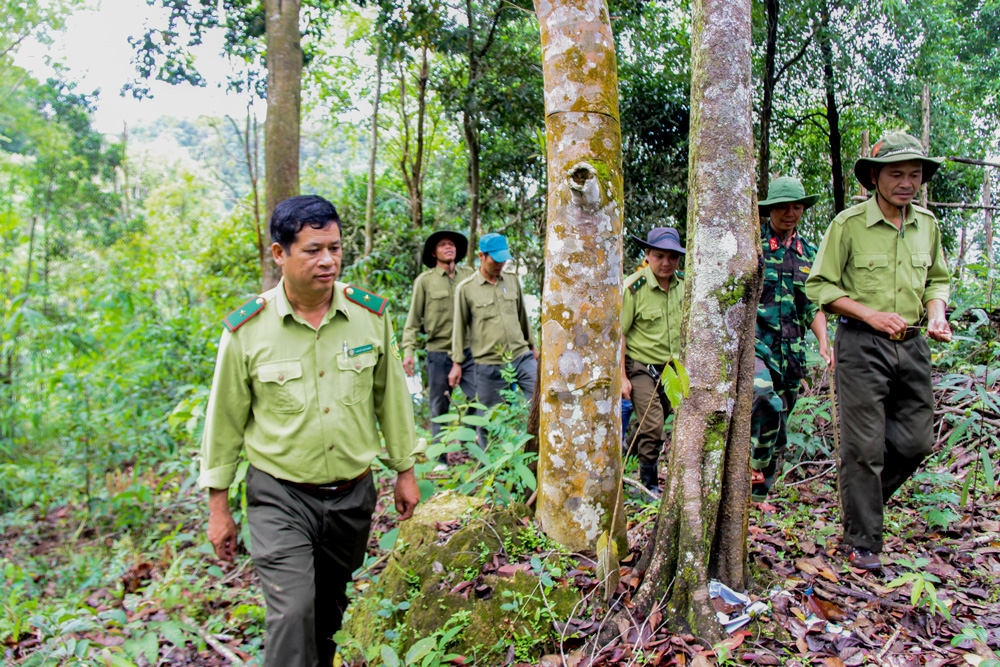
365	299
773	242
244	313
679	275
639	282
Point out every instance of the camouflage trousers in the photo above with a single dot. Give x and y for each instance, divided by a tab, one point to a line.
773	400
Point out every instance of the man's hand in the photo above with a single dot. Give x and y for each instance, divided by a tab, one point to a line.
626	388
454	375
221	527
406	493
937	321
826	352
890	323
535	351
408	365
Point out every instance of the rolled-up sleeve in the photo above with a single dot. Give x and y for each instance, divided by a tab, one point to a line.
938	284
460	323
393	406
825	282
226	416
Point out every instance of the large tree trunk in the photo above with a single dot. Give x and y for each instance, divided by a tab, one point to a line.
767	103
370	199
702	526
832	111
281	128
579	471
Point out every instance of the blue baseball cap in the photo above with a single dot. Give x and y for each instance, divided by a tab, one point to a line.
495	245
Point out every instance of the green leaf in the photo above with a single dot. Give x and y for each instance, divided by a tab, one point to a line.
918	588
988	471
607	564
527	478
388	539
477	452
446	418
389	657
682	375
420	649
475	420
463	434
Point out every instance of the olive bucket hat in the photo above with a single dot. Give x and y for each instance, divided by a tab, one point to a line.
662	238
895	147
461	246
786	190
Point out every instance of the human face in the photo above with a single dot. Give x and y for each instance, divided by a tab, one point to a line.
312	263
662	263
445	251
785	216
490	267
899	182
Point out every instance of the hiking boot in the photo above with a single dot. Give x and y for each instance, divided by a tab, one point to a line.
649	475
862	559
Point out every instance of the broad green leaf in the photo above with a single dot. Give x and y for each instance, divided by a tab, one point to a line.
388	539
420	649
389	657
527	478
988	471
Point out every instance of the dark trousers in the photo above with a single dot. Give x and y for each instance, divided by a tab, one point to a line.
886	425
304	549
650	405
439	393
773	400
489	379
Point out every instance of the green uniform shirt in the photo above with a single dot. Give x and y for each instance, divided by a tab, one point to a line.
863	256
651	318
303	401
433	308
494	317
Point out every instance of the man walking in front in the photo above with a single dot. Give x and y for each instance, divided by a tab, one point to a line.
306	374
783	315
881	268
651	339
491	320
432	309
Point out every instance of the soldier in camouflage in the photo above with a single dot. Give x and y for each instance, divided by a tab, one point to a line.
783	316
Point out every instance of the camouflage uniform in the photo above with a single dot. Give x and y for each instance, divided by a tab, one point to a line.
783	316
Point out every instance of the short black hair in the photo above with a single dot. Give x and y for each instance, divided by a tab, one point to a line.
294	213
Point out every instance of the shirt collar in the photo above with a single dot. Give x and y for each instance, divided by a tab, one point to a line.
653	282
284	306
873	214
482	279
771	238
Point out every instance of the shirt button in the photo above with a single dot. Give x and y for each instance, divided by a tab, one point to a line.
325	410
357	367
871	263
331	447
317	335
322	373
281	377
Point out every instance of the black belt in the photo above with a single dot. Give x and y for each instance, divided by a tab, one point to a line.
331	489
908	333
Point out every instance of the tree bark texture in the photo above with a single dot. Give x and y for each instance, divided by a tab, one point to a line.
281	128
370	199
412	159
925	137
702	526
579	471
832	111
987	221
767	102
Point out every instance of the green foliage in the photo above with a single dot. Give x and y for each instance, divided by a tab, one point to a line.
923	591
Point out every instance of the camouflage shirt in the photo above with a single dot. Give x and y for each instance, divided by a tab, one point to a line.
784	313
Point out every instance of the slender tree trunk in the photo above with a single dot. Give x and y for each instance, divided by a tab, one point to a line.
702	526
579	470
281	128
987	221
865	152
767	103
412	158
832	112
925	113
370	199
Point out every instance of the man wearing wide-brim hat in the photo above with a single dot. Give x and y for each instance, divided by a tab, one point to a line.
432	308
881	269
784	314
651	339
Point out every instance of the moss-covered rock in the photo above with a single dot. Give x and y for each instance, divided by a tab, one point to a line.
430	584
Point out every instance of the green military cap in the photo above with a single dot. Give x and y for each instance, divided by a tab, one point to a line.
895	147
787	190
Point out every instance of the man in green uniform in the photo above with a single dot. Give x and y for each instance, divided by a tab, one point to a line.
304	371
432	309
491	320
783	315
881	268
651	338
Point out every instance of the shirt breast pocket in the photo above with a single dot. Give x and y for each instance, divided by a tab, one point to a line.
920	263
281	387
483	310
651	322
356	377
871	272
510	302
440	303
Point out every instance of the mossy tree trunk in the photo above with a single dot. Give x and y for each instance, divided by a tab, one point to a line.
579	469
702	526
281	128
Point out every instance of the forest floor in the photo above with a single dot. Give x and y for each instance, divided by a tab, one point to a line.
935	602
